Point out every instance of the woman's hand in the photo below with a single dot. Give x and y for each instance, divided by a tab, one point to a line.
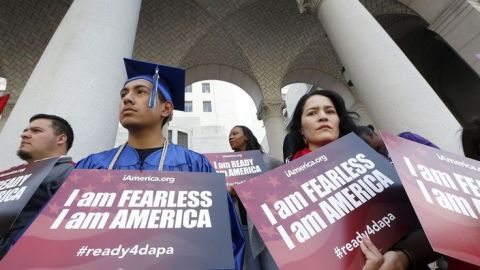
373	256
394	260
391	260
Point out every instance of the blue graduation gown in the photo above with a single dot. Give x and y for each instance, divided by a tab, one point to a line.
178	158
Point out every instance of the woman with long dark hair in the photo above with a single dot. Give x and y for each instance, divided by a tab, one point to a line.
257	256
241	138
319	118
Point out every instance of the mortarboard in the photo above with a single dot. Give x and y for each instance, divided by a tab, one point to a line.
170	81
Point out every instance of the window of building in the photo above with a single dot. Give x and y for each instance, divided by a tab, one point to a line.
188	89
3	84
205	88
169	136
188	106
207	106
182	139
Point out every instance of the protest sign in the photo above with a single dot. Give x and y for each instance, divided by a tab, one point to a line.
118	219
238	167
312	211
17	186
445	192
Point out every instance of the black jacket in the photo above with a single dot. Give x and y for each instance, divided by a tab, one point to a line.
52	182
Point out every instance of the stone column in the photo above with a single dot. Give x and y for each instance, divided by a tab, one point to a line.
359	107
79	77
271	112
394	92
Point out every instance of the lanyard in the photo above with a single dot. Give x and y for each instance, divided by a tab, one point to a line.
120	149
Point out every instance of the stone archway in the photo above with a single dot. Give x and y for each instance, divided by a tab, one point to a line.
322	80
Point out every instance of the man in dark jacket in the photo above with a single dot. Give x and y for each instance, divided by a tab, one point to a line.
46	136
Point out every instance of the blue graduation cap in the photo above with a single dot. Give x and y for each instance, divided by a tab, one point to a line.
170	81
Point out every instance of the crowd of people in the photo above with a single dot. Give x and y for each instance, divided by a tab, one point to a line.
148	98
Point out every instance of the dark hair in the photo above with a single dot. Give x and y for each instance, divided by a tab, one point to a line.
289	143
471	138
252	142
59	126
368	130
347	119
365	132
162	100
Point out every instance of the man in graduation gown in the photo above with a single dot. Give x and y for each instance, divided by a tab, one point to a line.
148	98
46	136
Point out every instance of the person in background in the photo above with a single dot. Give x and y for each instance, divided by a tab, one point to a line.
368	134
46	136
257	256
471	138
241	138
417	138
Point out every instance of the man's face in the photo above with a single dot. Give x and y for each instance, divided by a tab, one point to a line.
134	110
38	141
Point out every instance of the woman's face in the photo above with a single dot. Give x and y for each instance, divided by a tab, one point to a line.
320	122
237	139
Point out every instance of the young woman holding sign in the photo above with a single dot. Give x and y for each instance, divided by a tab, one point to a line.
241	138
321	117
257	256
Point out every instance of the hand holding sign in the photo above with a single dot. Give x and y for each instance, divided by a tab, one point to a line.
373	256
